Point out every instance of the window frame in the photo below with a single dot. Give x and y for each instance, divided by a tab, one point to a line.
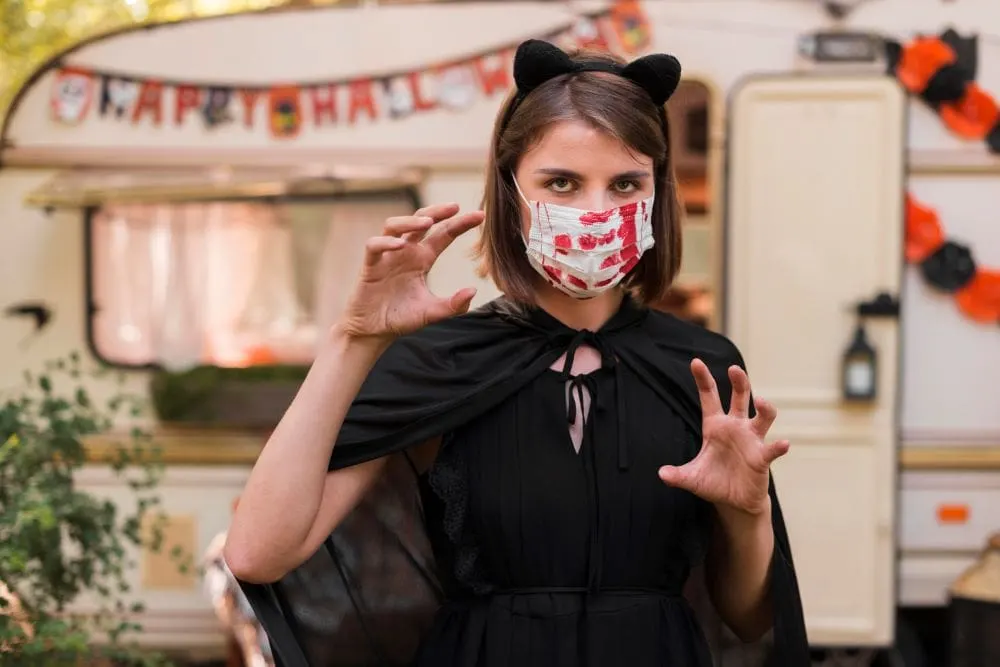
91	307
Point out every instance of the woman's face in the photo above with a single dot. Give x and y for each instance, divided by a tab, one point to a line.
575	164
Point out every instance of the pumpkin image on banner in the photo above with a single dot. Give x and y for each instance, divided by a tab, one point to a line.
631	25
285	111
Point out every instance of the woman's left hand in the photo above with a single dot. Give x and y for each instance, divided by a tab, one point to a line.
732	468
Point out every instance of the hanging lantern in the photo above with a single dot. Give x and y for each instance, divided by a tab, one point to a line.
860	368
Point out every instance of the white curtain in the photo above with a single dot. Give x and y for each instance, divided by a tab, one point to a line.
224	283
171	281
353	223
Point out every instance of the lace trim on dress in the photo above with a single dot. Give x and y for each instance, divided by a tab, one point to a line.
449	481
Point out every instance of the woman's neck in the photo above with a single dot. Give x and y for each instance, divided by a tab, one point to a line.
579	314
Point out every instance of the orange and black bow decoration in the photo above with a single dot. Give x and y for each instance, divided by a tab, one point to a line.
949	266
930	68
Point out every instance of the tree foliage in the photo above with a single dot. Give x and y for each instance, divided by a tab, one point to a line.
65	552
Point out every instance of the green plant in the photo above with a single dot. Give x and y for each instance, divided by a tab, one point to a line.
58	542
187	396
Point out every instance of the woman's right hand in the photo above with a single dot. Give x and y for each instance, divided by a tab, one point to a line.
391	297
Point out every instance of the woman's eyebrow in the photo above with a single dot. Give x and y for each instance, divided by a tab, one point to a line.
632	175
561	173
569	173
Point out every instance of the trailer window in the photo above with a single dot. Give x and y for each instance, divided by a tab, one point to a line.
224	283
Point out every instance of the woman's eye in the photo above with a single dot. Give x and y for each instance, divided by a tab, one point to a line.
561	185
626	187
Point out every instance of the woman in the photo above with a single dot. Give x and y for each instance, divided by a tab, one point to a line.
575	456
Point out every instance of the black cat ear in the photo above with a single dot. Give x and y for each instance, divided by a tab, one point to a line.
537	61
658	74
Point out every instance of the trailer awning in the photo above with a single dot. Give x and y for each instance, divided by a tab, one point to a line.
86	187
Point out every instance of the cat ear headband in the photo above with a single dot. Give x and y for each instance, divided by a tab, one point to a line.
537	61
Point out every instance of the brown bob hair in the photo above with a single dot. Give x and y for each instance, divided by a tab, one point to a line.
613	105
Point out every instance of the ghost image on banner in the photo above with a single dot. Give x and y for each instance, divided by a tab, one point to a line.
216	109
456	87
398	96
588	35
118	95
493	73
72	95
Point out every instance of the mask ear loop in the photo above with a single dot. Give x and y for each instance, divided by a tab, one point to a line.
531	209
517	186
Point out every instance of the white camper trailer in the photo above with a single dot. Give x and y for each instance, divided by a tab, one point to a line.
796	215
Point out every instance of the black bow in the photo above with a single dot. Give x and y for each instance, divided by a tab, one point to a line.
537	61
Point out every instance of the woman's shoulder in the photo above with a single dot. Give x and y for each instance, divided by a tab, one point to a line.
492	315
672	333
491	323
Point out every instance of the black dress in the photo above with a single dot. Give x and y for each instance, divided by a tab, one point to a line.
534	554
564	559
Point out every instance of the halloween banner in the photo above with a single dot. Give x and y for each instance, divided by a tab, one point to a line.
288	109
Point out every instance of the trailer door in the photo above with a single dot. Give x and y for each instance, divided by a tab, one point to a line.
814	225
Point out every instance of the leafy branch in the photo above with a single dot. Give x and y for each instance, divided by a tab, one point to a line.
60	543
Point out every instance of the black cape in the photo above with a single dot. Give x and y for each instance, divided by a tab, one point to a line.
367	596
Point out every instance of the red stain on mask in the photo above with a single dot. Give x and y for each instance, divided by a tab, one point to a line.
627	230
607	238
590	241
628	266
595	217
623	255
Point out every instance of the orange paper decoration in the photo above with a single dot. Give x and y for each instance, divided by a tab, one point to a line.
980	299
920	60
923	231
973	116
